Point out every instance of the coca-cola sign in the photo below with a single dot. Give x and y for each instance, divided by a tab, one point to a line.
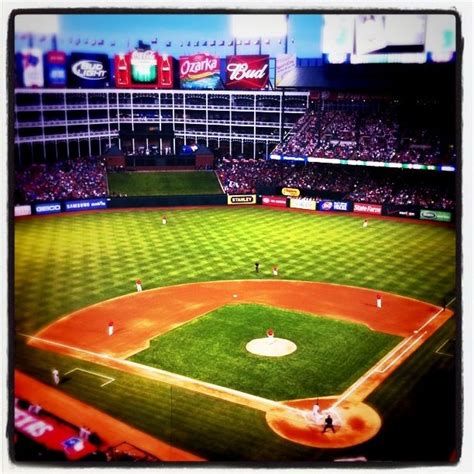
199	71
247	72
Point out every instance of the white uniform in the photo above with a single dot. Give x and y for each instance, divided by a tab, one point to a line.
365	224
55	373
379	302
275	271
164	220
139	286
111	329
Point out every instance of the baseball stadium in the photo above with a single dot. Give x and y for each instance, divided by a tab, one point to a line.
233	238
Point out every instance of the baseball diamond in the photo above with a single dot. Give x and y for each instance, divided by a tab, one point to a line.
235	250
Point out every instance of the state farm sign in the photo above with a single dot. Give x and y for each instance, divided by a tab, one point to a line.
247	72
367	208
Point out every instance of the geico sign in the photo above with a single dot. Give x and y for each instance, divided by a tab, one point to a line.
48	207
292	192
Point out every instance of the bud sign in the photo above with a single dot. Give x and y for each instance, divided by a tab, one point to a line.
247	72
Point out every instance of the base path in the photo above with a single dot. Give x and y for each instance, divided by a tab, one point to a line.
140	317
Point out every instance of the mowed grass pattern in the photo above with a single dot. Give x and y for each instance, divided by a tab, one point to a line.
167	183
330	355
63	263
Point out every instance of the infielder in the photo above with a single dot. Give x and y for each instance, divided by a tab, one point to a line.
379	301
111	328
138	284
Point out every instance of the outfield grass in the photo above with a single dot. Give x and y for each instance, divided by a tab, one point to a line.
169	183
63	263
330	354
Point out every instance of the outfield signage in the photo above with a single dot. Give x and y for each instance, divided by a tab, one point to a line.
309	204
274	201
47	208
200	71
441	216
340	206
291	192
401	211
85	205
241	199
365	208
88	70
247	72
22	210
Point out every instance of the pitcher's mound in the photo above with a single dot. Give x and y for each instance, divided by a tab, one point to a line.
276	348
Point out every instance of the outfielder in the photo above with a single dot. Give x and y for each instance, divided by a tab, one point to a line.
138	284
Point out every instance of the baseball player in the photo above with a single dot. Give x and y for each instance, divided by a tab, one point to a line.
379	301
164	220
270	335
328	424
317	415
275	271
111	328
55	373
257	264
365	223
138	284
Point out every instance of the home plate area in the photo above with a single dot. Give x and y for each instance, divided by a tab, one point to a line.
271	347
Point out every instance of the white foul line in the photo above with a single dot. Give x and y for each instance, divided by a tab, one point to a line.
111	379
401	354
434	316
441	346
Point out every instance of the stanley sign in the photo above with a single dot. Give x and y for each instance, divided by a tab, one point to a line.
242	199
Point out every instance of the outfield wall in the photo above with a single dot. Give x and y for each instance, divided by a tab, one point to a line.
322	205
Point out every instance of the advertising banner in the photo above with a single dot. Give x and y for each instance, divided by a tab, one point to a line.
364	208
238	199
339	206
441	216
32	65
401	211
291	192
85	205
52	433
144	70
88	70
22	211
200	71
285	64
56	69
47	208
274	201
247	72
309	204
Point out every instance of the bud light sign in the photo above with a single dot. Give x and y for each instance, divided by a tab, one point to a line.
247	72
87	70
199	71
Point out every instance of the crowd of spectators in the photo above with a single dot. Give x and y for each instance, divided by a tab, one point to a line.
72	179
363	135
354	183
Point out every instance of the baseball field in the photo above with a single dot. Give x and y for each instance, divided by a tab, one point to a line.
176	379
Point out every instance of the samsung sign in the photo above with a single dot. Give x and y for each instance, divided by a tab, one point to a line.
47	208
85	205
88	70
